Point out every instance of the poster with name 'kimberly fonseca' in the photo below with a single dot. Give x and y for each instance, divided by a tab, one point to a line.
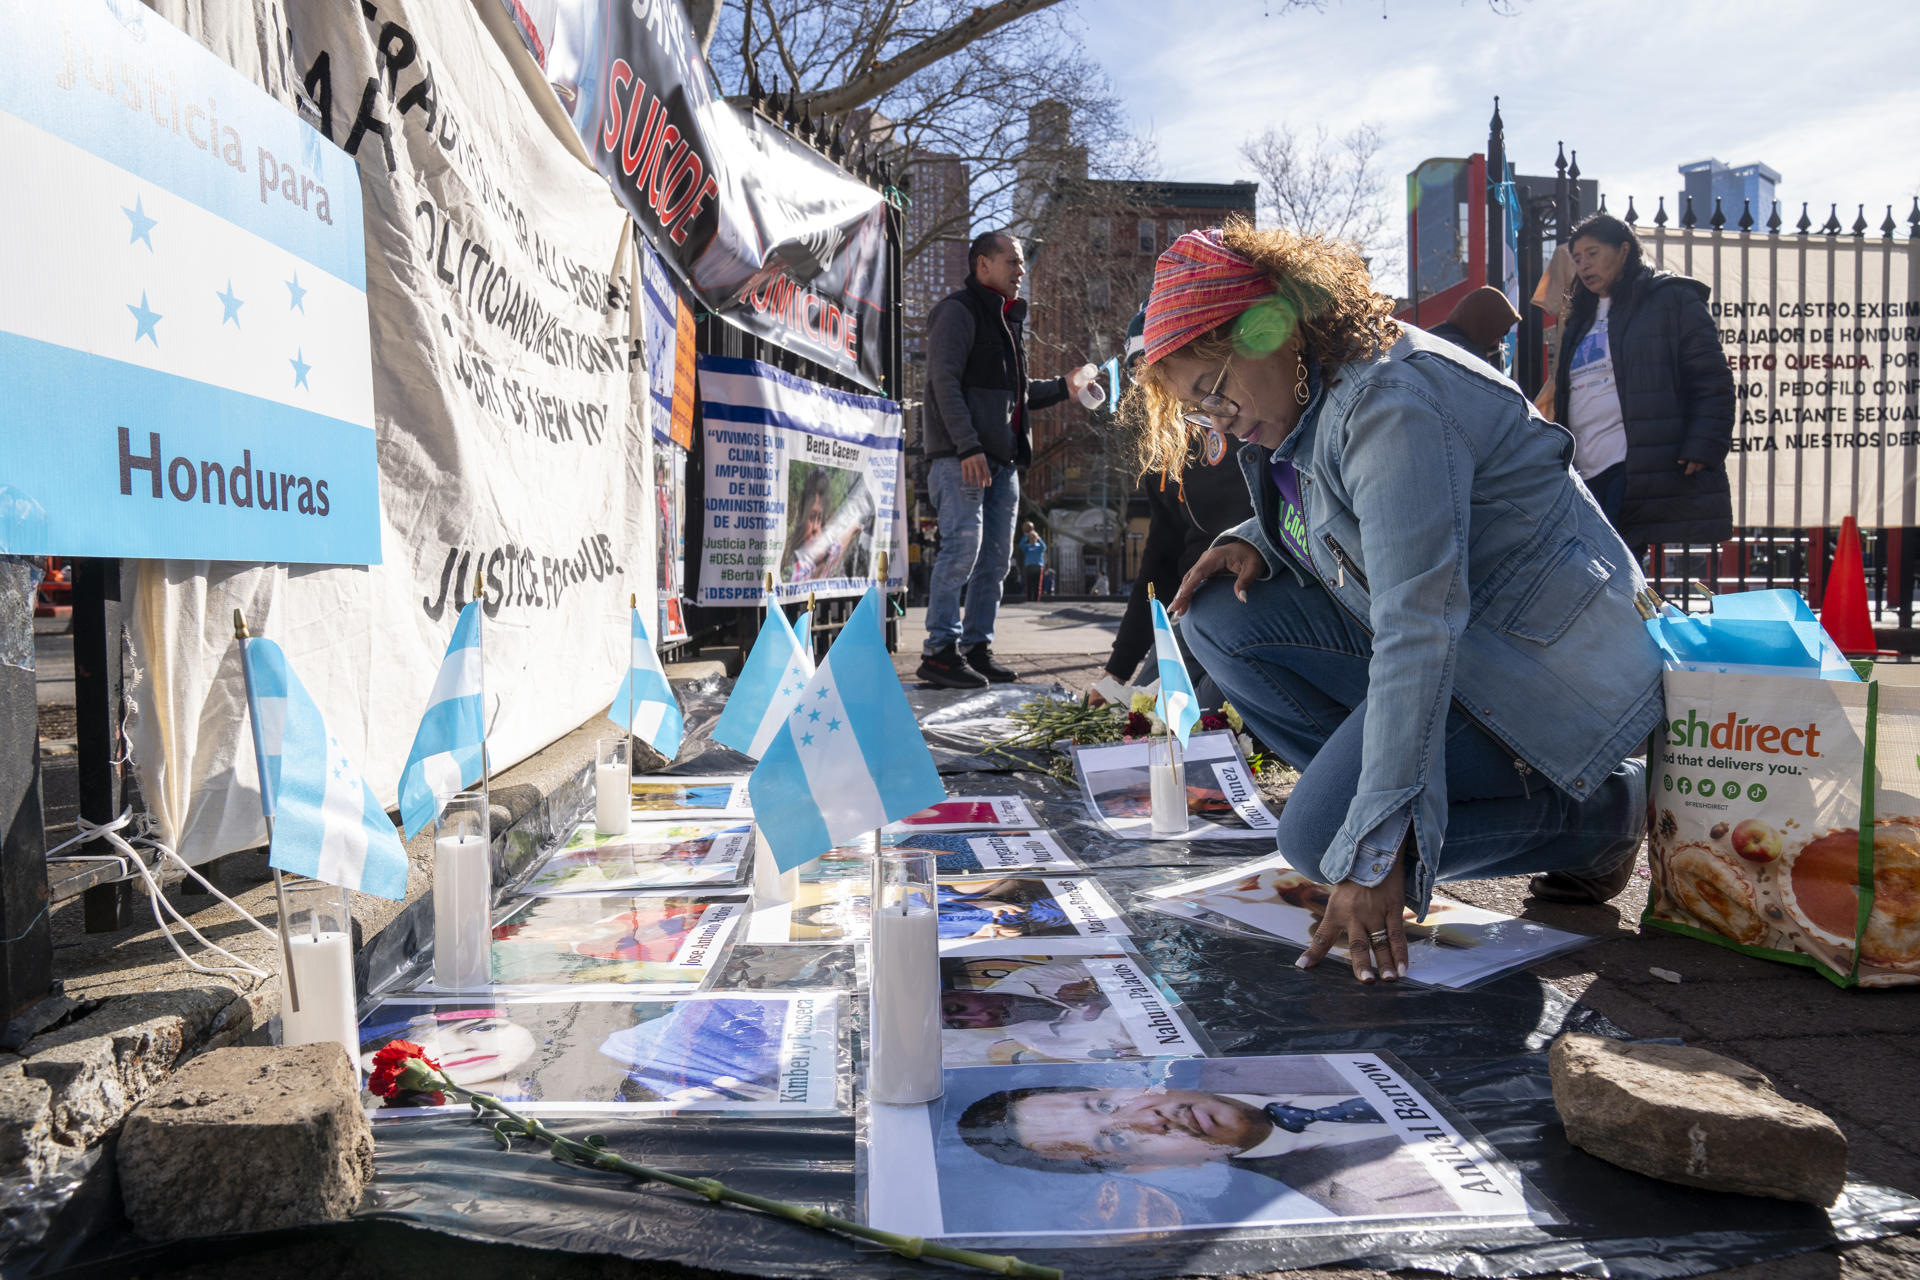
801	483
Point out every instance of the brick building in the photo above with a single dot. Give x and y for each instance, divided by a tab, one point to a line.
1092	256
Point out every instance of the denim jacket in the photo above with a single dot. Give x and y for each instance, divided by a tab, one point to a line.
1442	513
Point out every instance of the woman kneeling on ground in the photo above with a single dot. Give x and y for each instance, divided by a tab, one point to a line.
1429	617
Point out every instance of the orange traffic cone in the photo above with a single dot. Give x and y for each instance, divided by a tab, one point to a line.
1843	610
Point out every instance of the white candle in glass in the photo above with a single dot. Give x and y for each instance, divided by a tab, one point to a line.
323	974
903	1061
772	887
612	788
462	893
1167	786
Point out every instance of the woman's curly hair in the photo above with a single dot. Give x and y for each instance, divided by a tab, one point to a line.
1322	282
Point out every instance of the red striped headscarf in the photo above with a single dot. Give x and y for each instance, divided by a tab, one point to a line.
1198	284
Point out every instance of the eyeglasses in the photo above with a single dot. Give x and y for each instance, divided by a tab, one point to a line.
1214	408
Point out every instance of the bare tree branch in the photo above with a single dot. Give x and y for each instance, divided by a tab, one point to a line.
704	17
1326	186
864	88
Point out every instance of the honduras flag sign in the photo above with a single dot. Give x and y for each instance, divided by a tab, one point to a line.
449	747
326	823
644	703
1175	704
769	684
848	757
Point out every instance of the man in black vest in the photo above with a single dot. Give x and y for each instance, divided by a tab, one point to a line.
977	438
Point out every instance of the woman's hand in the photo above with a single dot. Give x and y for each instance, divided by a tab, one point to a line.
1357	912
1235	557
1095	698
1691	469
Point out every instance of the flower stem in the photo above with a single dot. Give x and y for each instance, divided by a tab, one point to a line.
596	1157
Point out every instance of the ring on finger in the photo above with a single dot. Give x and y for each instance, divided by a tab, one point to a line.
1378	937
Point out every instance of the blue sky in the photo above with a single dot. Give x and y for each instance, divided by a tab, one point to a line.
1825	93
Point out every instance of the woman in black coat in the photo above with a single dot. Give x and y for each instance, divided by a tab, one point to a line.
1647	392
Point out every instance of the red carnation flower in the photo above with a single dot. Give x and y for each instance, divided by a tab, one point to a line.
1213	721
393	1063
1138	726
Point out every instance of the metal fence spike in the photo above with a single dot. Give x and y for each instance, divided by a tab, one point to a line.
1773	220
1746	215
1632	217
1887	227
1860	221
1832	225
1806	223
1603	202
1660	213
1560	161
1573	168
1913	219
1687	219
1719	218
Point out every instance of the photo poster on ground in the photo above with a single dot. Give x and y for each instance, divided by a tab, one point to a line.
969	813
831	910
1041	1007
801	482
163	399
981	915
667	344
752	966
1223	796
642	942
510	443
745	1054
1334	1144
1456	946
650	855
956	853
677	796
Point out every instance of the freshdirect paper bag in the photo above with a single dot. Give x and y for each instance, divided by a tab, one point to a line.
1784	821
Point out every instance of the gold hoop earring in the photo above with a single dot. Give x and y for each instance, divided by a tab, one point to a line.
1300	393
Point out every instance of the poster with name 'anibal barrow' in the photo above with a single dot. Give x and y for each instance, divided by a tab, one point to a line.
801	483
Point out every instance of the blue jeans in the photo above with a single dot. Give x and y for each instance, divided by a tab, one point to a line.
1295	664
976	549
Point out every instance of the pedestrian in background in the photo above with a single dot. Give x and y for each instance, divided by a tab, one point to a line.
1647	392
1186	511
1033	559
978	436
1479	323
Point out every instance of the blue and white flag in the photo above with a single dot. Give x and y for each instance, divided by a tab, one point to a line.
1175	704
849	757
769	684
326	823
644	704
449	749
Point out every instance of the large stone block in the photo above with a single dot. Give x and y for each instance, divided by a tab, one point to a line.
247	1139
26	1128
1694	1117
